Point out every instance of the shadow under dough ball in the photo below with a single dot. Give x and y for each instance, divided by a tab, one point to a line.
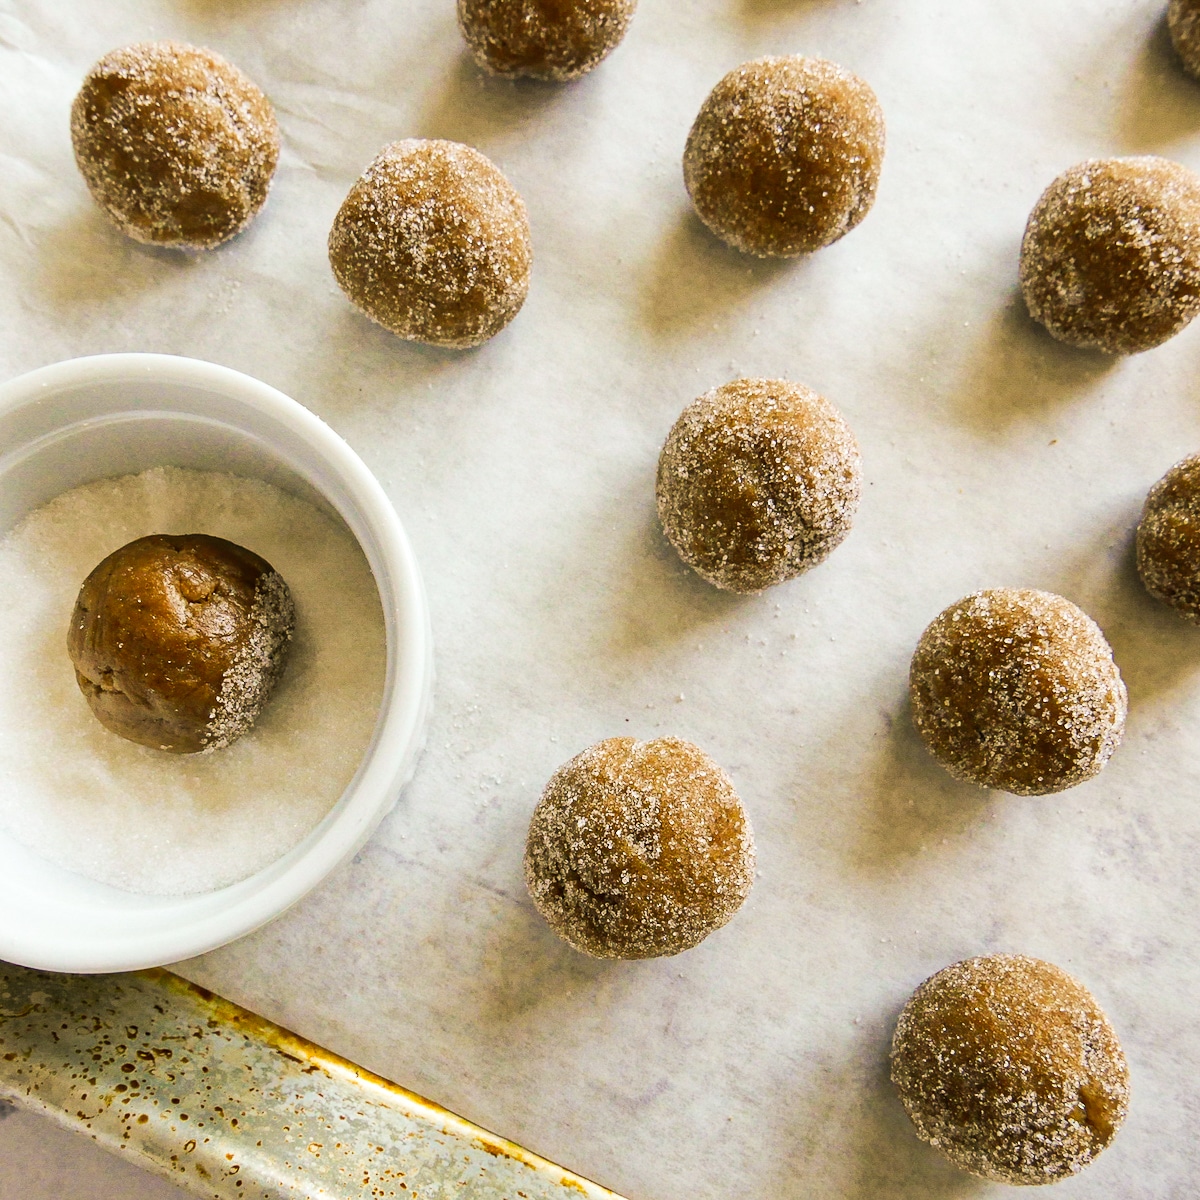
1110	260
784	156
545	39
757	482
638	849
1183	20
1016	689
433	243
178	641
176	145
1168	539
1009	1067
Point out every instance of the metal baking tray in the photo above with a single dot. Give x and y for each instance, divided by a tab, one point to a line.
233	1107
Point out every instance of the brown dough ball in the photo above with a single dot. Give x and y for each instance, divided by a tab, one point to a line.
433	243
758	481
639	849
1111	255
1009	1067
1183	19
1017	689
1168	539
547	39
176	144
178	641
784	156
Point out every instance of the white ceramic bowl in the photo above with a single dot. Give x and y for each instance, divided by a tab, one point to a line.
115	414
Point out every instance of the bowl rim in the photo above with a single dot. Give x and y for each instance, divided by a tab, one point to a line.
398	738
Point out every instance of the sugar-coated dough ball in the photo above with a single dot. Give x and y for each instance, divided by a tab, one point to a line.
546	39
433	243
176	145
1168	539
784	156
1183	19
758	481
1111	255
178	641
1017	689
639	849
1009	1067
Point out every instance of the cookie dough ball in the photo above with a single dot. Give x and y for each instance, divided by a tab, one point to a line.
433	243
1008	1066
547	39
1017	689
178	641
784	156
176	144
1111	255
1168	539
639	849
1183	20
758	481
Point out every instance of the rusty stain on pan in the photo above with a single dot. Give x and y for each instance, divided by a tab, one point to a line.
236	1108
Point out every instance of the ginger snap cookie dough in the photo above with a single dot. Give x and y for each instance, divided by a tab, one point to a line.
433	243
178	641
545	39
1111	255
1183	20
1009	1067
639	849
1016	689
1168	539
758	481
784	156
176	144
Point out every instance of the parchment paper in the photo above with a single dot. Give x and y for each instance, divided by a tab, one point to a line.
755	1065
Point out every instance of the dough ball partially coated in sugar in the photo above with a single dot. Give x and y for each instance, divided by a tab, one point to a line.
176	145
178	641
758	481
1183	20
546	39
1111	255
1009	1067
784	156
433	243
639	849
1168	539
1017	689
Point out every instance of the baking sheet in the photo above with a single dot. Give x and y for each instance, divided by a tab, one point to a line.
524	473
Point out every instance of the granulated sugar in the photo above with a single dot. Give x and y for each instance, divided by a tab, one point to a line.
138	818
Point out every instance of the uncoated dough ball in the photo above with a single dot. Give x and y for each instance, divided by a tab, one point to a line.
1009	1067
433	243
176	144
178	641
639	849
547	39
1183	19
758	481
1168	539
1111	255
784	156
1017	689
